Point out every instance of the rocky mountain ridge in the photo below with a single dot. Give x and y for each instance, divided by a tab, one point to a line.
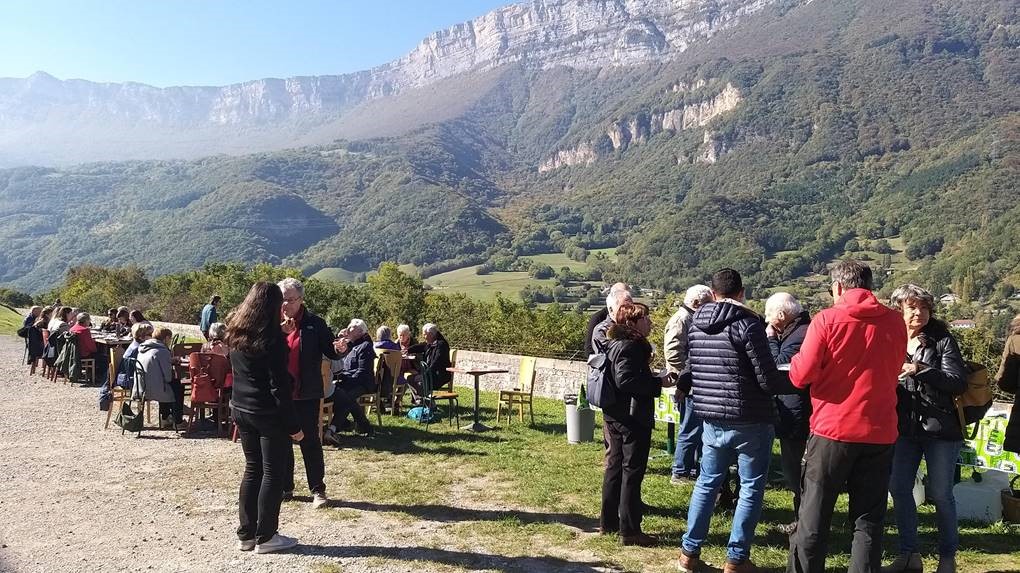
44	120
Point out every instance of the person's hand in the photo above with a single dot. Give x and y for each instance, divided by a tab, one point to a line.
288	326
909	369
298	436
668	380
340	345
770	331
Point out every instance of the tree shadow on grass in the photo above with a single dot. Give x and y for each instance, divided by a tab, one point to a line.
415	440
462	559
450	514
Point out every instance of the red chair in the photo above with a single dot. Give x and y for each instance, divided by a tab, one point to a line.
208	373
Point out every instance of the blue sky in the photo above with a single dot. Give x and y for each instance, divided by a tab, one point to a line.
215	42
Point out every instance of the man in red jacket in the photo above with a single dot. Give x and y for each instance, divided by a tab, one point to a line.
850	360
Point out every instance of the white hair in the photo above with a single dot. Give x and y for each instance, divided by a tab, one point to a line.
384	333
294	285
402	328
783	301
217	330
357	324
83	318
697	295
430	328
617	298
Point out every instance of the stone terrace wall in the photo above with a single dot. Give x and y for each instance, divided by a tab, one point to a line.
553	377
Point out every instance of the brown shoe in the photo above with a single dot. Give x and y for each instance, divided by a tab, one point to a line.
641	540
743	567
690	563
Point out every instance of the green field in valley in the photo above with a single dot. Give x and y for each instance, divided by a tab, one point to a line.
466	280
10	321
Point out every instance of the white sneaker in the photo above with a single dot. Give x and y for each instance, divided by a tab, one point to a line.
245	544
319	500
277	543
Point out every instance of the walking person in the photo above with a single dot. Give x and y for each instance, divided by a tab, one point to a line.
308	339
787	323
850	359
208	317
628	424
688	436
734	379
263	410
933	373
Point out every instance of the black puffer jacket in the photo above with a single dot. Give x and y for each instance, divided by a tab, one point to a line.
925	406
630	356
794	409
733	375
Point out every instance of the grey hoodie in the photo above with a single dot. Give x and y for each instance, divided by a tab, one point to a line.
154	360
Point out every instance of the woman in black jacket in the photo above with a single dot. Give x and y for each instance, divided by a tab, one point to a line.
933	374
628	424
1007	380
263	410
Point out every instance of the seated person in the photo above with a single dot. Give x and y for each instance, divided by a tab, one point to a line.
110	324
216	345
355	377
87	347
404	338
123	321
159	384
137	317
385	337
385	342
435	359
126	369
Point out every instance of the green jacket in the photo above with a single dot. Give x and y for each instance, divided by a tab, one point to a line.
69	361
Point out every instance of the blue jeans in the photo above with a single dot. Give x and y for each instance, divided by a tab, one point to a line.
940	456
751	445
688	441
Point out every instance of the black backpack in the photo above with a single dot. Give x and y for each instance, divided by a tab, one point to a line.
601	385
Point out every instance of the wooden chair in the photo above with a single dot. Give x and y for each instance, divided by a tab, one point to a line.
88	371
445	393
521	394
325	408
393	360
118	394
374	399
208	374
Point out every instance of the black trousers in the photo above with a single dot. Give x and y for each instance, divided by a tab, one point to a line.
311	448
174	409
627	445
265	445
828	465
791	452
345	403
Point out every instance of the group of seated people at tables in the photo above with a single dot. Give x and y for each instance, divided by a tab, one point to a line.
354	374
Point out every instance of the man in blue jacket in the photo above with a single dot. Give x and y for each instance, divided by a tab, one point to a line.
208	315
733	381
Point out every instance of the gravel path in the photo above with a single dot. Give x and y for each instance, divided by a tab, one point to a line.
74	497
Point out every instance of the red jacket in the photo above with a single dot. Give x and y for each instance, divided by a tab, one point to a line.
851	359
86	344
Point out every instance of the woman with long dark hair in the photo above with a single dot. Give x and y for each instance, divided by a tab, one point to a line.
264	413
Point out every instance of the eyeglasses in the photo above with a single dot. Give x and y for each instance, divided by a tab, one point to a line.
291	300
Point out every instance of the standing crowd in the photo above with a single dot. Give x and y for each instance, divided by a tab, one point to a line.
858	395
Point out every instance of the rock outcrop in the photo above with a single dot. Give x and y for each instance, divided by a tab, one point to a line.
638	129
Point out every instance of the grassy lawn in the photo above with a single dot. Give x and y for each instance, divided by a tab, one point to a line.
526	495
10	321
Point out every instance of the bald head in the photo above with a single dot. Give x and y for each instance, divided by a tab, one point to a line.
697	295
617	298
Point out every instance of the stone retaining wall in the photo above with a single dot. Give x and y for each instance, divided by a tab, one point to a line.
553	377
